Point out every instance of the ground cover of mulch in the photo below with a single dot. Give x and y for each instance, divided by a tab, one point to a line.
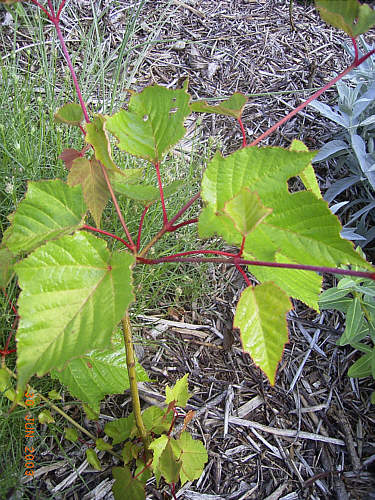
312	435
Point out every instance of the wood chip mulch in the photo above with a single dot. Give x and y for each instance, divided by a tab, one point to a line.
312	435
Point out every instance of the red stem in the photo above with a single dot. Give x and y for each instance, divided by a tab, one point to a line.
141	224
173	491
183	209
96	230
239	268
119	214
355	49
311	98
192	252
242	246
190	221
71	69
235	260
142	471
244	144
165	216
35	2
60	9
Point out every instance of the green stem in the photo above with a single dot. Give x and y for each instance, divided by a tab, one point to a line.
130	363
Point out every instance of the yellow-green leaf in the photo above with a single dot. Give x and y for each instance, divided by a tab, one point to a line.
71	114
261	318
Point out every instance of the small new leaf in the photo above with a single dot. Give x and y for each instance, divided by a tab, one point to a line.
97	136
45	417
178	393
261	318
348	15
93	459
246	211
230	107
158	446
169	465
102	445
89	175
156	420
121	429
192	455
71	114
71	434
125	486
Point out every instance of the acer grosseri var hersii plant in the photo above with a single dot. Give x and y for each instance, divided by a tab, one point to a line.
76	290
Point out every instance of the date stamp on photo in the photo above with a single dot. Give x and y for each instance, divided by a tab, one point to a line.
29	451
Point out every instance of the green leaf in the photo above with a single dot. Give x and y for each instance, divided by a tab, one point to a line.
89	175
71	113
158	446
102	445
125	486
153	122
120	429
126	452
347	15
71	434
99	373
54	395
193	456
139	192
334	298
96	135
156	420
93	459
307	176
263	170
91	413
246	211
74	293
353	322
50	210
169	465
6	266
364	366
230	107
302	285
45	417
178	393
261	318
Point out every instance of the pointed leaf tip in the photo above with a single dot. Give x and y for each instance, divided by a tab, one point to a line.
261	318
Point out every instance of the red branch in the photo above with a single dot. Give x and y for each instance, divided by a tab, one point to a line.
174	228
117	207
239	268
244	144
114	236
312	98
237	261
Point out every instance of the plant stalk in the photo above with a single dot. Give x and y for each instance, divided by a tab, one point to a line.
130	363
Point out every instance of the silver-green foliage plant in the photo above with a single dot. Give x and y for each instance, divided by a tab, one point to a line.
353	148
76	289
355	297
